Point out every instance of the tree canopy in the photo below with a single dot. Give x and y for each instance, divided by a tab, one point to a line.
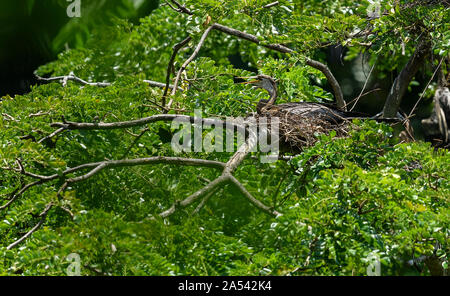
87	166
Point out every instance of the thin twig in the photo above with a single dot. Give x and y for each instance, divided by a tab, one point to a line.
40	113
253	200
58	131
188	61
17	195
72	77
425	89
180	8
138	137
271	4
363	95
142	121
9	117
43	215
203	202
364	87
176	48
193	197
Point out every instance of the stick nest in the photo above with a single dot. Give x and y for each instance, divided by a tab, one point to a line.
299	131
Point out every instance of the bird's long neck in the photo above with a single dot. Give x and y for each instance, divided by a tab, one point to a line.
273	95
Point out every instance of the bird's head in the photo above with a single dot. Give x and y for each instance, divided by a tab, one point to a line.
265	82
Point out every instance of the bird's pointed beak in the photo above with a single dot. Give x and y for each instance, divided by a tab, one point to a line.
250	82
255	80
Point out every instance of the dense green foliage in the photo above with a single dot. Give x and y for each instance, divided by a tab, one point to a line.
343	200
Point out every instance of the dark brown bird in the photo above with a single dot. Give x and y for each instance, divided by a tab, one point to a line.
324	111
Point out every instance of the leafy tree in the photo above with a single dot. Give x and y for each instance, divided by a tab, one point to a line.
88	167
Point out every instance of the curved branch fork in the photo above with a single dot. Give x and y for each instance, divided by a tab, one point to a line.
95	167
277	47
224	178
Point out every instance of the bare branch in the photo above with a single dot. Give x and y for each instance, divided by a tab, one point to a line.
251	38
176	48
253	200
362	90
203	202
240	154
200	193
402	81
207	191
171	6
139	122
40	113
332	80
145	161
98	166
130	162
58	131
188	61
277	47
43	215
157	84
9	117
180	8
72	77
18	194
271	4
226	177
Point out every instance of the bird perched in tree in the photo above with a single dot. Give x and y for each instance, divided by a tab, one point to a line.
328	112
437	125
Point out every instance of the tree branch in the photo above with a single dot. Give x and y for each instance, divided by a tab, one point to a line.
253	200
146	161
271	4
74	78
226	177
332	80
188	61
277	47
283	49
18	194
180	8
98	166
176	48
71	77
402	81
58	131
193	197
203	201
43	215
251	38
139	122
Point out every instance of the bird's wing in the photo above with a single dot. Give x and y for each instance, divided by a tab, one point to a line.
312	110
